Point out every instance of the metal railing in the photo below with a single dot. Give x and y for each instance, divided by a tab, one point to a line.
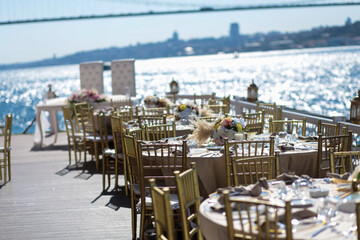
239	105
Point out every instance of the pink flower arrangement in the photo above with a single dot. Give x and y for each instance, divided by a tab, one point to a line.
86	95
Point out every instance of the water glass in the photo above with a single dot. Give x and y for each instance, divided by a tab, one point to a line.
327	209
301	187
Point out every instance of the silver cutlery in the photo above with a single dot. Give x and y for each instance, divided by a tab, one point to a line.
332	224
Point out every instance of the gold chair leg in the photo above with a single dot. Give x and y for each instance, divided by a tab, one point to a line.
5	169
69	151
9	165
103	173
133	215
96	155
125	177
75	150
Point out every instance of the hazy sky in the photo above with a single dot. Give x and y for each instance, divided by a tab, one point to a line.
28	42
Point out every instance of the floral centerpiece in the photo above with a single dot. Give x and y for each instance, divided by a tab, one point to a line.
184	111
86	95
154	101
227	127
223	127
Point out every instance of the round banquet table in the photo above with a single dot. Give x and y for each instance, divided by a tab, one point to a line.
214	227
212	174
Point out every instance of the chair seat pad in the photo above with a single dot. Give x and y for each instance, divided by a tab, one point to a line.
174	202
136	188
2	149
109	151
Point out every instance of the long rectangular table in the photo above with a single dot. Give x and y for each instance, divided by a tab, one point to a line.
54	105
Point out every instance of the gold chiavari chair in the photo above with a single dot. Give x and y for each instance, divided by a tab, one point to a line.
244	149
189	199
77	114
74	140
5	160
250	170
118	129
269	110
217	109
340	143
221	101
254	121
151	120
257	219
90	136
131	157
126	114
158	132
119	104
138	133
155	112
203	99
108	153
289	126
158	161
328	129
163	214
342	162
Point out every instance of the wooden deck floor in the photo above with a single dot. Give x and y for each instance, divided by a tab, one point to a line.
45	200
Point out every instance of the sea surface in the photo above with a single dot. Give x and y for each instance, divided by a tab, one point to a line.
321	80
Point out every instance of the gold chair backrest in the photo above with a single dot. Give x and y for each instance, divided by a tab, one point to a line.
119	104
158	132
257	219
340	143
77	108
155	112
189	199
163	158
151	120
138	133
126	114
328	129
103	132
68	122
341	162
254	121
70	132
117	126
244	149
88	121
269	110
250	170
7	133
289	126
163	213
217	109
131	157
221	101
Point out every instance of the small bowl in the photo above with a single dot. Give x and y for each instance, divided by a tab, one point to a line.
346	206
318	192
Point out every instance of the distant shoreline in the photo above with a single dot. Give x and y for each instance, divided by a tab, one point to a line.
239	54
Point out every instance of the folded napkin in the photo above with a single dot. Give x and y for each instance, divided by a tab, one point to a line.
308	138
290	177
303	214
344	176
253	190
286	147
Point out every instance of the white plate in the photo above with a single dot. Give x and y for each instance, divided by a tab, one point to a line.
301	203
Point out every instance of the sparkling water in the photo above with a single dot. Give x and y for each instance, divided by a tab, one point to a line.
321	80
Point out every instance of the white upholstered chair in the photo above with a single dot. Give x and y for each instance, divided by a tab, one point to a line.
123	77
91	76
